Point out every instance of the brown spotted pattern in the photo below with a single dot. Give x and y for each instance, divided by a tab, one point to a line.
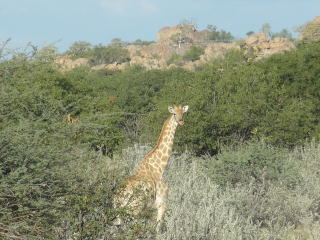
147	180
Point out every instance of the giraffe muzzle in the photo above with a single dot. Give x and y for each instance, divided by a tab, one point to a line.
181	123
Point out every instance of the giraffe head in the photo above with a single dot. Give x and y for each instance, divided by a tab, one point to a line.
178	112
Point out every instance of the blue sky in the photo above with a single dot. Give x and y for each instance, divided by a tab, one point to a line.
62	22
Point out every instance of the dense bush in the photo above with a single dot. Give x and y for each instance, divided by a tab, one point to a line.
254	161
99	54
175	59
57	179
108	55
218	35
200	208
140	42
79	49
193	54
233	101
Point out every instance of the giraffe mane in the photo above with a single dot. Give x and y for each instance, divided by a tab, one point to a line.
160	137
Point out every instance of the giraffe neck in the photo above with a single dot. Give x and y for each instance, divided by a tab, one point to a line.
156	161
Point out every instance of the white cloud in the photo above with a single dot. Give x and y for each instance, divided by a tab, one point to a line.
124	6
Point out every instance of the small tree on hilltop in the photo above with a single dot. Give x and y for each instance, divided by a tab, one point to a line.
190	22
249	33
284	33
218	35
266	29
80	49
117	42
47	52
109	54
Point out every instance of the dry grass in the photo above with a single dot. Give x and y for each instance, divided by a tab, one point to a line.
285	207
198	208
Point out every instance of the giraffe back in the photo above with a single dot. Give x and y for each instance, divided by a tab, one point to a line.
136	195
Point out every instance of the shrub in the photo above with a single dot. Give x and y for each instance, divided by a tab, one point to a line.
80	49
232	101
219	35
193	54
175	59
198	208
108	55
254	161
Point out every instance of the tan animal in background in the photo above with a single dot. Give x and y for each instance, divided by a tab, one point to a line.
146	184
71	120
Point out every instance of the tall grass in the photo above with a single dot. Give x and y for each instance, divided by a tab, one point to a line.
284	207
200	206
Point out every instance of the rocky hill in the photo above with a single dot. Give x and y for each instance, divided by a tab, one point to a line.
311	30
174	42
258	46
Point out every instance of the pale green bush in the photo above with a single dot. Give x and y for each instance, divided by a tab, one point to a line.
198	208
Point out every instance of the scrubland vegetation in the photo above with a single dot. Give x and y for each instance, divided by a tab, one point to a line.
245	165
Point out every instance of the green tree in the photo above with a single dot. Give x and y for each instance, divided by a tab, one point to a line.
47	52
117	42
266	29
106	55
142	42
284	33
218	35
193	54
249	33
80	49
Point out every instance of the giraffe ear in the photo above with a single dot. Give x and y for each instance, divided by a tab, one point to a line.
185	108
170	109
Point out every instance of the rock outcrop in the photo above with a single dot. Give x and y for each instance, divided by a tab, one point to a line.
311	30
65	63
212	51
258	46
176	41
184	33
110	67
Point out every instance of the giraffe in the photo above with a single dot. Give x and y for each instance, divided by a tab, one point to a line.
71	120
146	185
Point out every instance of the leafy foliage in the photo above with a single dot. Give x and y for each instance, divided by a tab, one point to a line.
80	49
175	59
100	54
254	161
218	35
193	54
140	42
233	101
107	55
58	179
284	33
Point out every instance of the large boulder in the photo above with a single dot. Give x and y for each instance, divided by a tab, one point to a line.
168	33
311	30
217	50
111	67
65	63
258	46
